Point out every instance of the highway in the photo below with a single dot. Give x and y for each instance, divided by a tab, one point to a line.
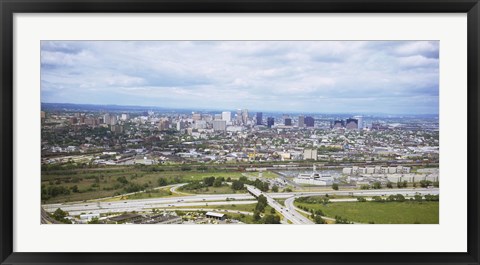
291	215
289	212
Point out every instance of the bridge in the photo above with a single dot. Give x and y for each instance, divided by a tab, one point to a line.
290	214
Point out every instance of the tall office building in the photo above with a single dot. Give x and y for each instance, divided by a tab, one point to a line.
301	121
309	121
245	116
227	116
180	125
338	124
259	118
351	124
360	121
113	120
163	125
218	117
219	125
288	122
106	118
200	125
196	116
238	118
270	122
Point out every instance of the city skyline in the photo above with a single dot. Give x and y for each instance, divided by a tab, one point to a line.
389	77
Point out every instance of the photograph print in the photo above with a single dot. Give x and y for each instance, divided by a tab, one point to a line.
239	132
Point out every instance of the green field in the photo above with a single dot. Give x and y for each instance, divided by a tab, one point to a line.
210	190
265	174
94	183
407	212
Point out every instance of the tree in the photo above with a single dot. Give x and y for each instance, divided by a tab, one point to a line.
340	220
335	186
275	188
399	198
162	182
418	198
389	185
262	203
377	185
318	220
60	216
208	181
271	219
94	220
237	185
425	183
272	211
256	216
218	182
74	188
361	199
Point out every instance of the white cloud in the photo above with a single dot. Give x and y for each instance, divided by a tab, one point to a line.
341	75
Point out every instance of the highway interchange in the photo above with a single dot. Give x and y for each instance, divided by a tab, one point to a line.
289	211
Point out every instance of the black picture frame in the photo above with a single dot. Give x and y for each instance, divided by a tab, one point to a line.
9	8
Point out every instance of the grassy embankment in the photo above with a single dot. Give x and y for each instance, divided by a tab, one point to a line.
408	212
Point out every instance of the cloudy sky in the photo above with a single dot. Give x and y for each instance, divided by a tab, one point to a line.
396	77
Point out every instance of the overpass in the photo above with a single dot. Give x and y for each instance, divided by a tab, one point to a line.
289	214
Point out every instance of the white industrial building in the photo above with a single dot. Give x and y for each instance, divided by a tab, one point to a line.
314	179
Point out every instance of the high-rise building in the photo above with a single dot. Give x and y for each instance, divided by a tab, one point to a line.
196	116
351	124
245	116
125	116
200	125
219	125
180	125
338	124
259	118
309	121
113	120
163	124
218	117
301	121
360	121
270	122
238	118
116	128
227	116
288	122
106	118
73	120
309	154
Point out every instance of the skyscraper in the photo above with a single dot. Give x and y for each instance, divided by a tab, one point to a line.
288	122
106	118
219	125
301	121
360	121
352	124
309	121
238	118
259	118
338	124
196	116
270	122
245	116
227	116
